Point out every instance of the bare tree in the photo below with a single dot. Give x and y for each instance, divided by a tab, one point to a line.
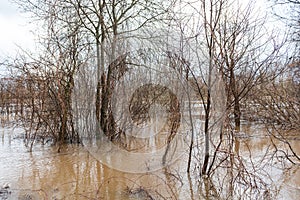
110	24
288	12
49	77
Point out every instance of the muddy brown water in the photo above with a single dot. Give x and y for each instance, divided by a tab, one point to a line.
76	174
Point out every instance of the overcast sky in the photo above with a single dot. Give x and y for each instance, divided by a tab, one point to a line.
14	29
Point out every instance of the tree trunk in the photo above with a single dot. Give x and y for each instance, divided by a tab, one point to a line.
237	115
236	101
98	89
206	132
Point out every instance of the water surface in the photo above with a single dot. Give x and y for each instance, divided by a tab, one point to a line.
75	174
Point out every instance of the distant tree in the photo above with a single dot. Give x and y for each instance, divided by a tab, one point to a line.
283	93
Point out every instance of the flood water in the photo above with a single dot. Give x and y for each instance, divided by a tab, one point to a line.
75	174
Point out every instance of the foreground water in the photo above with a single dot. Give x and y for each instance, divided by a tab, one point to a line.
75	174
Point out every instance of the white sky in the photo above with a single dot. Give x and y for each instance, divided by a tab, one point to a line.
15	30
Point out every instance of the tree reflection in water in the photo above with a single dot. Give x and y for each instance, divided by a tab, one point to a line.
254	171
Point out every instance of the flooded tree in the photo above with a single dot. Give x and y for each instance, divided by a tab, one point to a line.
244	59
103	27
200	71
109	25
231	47
227	41
48	78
